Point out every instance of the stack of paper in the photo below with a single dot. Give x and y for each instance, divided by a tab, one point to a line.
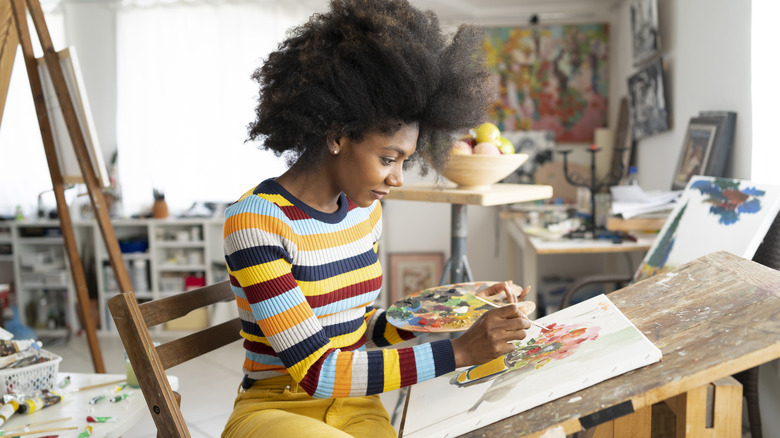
629	201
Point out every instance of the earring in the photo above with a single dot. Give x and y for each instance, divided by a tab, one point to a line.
334	152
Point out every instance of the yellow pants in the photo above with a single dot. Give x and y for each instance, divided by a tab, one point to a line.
278	407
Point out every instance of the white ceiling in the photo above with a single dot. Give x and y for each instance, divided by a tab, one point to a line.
499	12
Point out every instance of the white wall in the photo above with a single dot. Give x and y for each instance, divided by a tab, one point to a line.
705	45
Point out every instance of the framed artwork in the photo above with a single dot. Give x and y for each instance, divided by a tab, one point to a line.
413	272
583	345
66	155
724	139
696	151
551	78
712	214
706	147
647	99
645	41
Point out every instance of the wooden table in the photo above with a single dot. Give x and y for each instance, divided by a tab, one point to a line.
712	318
75	404
533	247
498	194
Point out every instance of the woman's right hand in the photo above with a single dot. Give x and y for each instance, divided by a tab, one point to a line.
489	337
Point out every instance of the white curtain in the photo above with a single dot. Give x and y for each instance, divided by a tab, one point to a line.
185	97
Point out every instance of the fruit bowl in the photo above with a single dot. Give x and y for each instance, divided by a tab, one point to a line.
479	172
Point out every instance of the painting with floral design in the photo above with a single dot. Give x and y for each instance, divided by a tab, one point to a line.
712	214
582	345
551	78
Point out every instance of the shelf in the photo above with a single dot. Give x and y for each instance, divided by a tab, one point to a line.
42	241
131	256
181	268
179	244
45	285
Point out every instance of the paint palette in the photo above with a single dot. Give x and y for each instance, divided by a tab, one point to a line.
448	308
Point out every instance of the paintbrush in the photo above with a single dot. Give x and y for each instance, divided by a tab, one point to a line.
543	328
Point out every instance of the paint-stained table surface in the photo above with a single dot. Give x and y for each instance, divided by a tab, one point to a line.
712	318
75	407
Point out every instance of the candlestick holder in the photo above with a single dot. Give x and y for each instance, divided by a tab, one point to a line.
594	185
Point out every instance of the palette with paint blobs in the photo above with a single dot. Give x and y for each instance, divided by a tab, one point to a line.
440	309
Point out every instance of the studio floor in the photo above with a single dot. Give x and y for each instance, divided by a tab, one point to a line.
207	384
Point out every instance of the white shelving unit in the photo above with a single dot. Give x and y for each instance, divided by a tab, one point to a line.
163	257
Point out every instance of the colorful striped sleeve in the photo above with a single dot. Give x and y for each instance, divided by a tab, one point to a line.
259	253
381	333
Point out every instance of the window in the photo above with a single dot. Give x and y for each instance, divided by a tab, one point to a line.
185	97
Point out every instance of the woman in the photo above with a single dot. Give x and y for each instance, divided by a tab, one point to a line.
348	98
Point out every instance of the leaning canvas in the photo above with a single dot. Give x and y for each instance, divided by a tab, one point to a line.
586	343
712	214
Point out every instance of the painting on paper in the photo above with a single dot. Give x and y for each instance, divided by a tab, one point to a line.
585	344
712	214
551	78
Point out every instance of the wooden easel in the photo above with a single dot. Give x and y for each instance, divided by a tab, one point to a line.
13	14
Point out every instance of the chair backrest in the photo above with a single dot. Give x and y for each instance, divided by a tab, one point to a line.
149	362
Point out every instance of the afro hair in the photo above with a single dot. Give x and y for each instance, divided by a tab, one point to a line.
366	66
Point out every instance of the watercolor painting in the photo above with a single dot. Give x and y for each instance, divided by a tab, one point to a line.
448	308
588	342
712	214
550	78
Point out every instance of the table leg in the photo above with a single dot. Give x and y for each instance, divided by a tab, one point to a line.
636	425
458	263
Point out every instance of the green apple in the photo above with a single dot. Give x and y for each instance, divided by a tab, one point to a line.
506	146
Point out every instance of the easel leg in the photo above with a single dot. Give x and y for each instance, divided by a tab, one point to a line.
77	270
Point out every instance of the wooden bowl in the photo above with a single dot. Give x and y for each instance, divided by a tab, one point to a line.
479	172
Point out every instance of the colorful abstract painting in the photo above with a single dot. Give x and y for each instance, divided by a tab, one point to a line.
586	343
712	214
448	308
551	78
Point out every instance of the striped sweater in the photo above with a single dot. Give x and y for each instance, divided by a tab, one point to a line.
305	283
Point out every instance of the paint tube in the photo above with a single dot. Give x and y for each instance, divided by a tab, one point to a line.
38	402
65	382
8	410
91	419
96	399
86	433
11	347
118	398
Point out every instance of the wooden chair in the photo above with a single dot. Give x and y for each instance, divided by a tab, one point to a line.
149	362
